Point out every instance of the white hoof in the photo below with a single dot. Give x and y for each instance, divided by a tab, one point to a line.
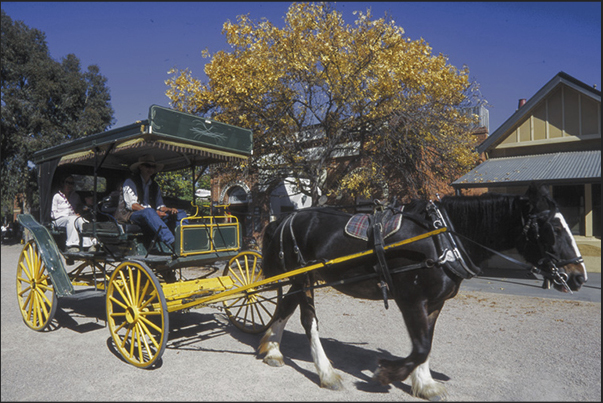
274	360
434	392
424	386
332	382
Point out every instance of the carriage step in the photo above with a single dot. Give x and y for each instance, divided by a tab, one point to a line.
85	294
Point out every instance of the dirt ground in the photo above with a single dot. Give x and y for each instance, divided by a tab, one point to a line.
487	347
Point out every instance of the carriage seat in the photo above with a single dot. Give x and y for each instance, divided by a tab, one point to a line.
111	228
108	206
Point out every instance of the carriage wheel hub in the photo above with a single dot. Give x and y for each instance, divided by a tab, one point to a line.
251	298
132	314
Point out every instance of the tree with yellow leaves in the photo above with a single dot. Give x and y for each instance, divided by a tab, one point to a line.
318	89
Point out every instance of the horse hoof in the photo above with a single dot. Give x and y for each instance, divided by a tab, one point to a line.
274	361
381	375
434	392
334	383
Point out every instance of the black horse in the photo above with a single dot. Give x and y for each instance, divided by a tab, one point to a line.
422	274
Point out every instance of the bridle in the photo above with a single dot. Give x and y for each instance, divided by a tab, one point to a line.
548	265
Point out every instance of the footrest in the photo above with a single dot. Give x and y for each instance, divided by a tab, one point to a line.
85	294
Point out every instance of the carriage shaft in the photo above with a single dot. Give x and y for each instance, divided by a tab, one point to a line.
235	292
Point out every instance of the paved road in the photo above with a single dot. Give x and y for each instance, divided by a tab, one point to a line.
519	282
489	346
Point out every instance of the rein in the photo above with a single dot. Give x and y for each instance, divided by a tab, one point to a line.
555	275
444	233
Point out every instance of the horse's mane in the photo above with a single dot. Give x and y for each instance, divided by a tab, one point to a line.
493	219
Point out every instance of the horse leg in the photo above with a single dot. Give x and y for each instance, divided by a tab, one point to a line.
271	341
420	324
329	379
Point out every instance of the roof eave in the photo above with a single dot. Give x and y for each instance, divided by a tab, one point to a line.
561	77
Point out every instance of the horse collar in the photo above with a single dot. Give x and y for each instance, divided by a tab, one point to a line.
448	248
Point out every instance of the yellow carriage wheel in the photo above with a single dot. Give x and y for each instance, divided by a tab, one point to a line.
137	314
35	292
253	312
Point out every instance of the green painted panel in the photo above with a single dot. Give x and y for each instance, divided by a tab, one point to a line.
195	239
208	132
225	237
49	253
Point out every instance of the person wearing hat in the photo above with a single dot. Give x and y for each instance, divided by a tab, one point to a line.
141	202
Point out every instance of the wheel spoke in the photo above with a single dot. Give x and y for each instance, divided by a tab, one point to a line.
140	323
235	274
154	326
245	269
152	297
24	290
144	292
139	336
35	291
148	332
132	339
138	279
43	301
144	339
118	287
254	308
124	323
26	270
116	301
126	289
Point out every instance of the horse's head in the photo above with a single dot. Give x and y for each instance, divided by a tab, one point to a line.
548	244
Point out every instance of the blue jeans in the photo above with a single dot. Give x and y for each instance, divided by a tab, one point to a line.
148	219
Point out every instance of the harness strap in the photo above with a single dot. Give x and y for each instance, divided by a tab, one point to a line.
289	221
385	278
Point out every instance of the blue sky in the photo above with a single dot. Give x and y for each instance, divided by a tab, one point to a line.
512	49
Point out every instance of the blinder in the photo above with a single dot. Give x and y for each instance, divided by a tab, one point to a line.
535	230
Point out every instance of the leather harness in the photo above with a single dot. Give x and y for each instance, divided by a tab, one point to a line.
448	249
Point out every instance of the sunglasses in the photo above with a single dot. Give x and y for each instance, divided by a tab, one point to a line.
70	182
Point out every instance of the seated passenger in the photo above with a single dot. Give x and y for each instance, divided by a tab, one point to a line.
65	212
141	202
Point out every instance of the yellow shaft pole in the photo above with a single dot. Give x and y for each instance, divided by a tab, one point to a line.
306	269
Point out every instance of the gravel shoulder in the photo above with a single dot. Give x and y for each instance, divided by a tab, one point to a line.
487	347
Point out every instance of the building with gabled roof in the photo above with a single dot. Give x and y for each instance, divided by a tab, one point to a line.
554	138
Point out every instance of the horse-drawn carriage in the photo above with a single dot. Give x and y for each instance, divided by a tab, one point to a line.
416	254
139	274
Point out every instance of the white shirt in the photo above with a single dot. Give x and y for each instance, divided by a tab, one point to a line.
131	196
63	207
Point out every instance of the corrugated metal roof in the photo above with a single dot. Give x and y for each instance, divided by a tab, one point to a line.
557	167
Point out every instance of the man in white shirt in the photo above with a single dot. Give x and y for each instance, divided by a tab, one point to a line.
141	202
65	204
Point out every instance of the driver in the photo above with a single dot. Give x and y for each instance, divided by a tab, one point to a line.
141	202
